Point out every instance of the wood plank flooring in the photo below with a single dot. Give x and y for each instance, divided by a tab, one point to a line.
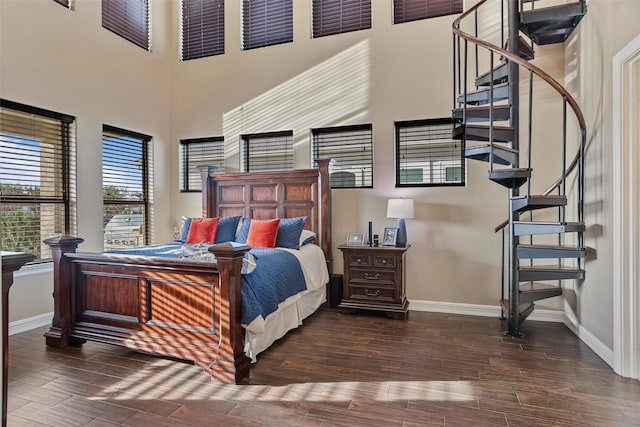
337	370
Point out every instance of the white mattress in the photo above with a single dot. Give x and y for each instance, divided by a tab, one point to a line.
262	332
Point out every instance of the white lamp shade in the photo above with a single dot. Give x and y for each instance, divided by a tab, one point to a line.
400	208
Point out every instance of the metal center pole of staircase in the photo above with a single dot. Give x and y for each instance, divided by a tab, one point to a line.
513	19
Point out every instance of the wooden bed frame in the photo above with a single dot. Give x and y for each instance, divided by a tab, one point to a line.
180	307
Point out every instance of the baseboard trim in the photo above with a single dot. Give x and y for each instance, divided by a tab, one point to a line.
24	325
481	310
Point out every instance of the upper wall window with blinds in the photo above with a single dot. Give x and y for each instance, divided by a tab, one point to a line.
267	152
198	152
427	155
340	16
202	28
126	177
37	177
266	22
128	19
413	10
351	151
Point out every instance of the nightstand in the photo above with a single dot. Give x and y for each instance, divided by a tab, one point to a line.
374	280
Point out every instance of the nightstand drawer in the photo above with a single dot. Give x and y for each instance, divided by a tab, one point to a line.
372	293
359	260
376	277
384	261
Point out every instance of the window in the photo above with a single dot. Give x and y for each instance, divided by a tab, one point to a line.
37	177
266	22
413	10
340	16
267	152
126	174
196	152
351	151
128	19
202	28
426	154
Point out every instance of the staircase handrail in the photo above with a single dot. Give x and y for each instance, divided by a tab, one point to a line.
545	77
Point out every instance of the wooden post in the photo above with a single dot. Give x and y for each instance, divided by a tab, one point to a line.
231	363
11	261
58	334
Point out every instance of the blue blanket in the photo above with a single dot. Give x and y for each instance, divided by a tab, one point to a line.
278	276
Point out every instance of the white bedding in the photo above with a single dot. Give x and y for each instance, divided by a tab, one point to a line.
262	332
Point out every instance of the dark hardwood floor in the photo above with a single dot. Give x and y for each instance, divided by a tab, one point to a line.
337	370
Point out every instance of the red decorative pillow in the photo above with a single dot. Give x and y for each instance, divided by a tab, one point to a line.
263	234
203	230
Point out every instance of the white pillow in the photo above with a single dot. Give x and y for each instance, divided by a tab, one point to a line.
307	236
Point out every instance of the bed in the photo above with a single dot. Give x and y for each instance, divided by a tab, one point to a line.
191	308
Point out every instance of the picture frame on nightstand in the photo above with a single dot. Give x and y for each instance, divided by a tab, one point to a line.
390	236
355	239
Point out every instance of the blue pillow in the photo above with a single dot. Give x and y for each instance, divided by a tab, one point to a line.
289	232
184	229
227	227
244	231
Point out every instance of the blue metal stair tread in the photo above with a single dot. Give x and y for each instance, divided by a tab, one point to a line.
480	132
551	14
483	96
552	24
501	154
524	309
534	291
511	177
549	272
500	75
527	203
524	228
481	113
550	251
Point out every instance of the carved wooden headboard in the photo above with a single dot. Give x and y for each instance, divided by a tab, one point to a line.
269	195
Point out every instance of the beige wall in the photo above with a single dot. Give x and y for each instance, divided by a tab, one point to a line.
66	62
388	73
608	27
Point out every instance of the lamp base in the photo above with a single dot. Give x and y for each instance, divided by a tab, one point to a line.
401	238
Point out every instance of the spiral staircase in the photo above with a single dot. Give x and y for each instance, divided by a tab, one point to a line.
543	237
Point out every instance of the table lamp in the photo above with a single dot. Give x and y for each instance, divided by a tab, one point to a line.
400	209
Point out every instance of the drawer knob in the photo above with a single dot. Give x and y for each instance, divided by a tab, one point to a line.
372	277
384	261
374	294
359	260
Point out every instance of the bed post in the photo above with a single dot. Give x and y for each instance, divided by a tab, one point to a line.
58	334
231	363
325	210
207	171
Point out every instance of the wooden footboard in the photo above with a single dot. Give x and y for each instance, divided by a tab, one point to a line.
178	308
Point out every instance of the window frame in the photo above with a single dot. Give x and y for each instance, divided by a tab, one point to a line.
415	10
317	152
185	155
146	169
245	152
274	32
323	22
208	33
406	124
66	165
131	29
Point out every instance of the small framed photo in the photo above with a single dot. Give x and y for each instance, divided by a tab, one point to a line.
355	239
389	237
